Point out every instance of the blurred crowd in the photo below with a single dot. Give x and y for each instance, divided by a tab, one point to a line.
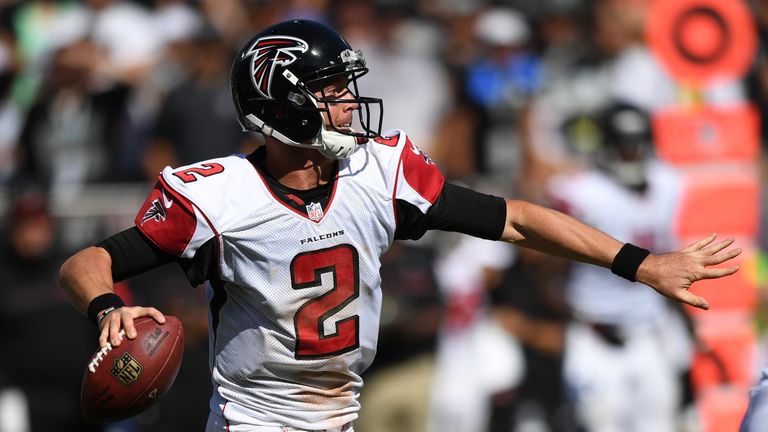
548	101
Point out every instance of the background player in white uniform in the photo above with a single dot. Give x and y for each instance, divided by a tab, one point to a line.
290	237
623	376
475	357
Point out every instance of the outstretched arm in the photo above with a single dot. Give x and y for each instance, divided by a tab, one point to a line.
672	274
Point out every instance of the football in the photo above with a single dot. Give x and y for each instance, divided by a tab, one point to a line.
120	382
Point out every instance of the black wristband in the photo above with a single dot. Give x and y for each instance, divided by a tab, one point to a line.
104	301
628	260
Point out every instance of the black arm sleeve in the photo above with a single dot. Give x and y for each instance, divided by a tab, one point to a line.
456	209
132	253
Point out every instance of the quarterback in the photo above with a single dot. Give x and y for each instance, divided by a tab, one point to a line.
288	239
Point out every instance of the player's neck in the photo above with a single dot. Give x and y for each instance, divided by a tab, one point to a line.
298	168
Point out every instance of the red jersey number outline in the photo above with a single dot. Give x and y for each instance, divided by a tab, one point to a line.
204	170
306	271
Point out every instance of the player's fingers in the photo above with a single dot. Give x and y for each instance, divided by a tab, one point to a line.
129	326
721	258
700	244
115	322
155	314
103	336
717	247
714	273
687	297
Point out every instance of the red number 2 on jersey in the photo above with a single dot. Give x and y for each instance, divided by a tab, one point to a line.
205	170
306	271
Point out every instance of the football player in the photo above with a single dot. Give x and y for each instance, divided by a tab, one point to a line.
620	365
289	237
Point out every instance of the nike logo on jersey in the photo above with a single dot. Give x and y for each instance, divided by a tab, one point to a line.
322	237
168	203
414	149
417	151
155	212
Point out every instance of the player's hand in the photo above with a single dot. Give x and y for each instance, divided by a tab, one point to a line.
672	274
122	319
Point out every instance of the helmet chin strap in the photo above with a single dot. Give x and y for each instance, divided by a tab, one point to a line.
331	144
335	145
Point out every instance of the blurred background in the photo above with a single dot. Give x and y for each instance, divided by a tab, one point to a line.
641	117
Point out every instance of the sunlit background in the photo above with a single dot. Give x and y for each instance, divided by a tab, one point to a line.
519	98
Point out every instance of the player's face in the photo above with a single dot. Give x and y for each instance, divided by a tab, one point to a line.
339	115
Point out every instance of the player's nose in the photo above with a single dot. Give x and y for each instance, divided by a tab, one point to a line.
350	103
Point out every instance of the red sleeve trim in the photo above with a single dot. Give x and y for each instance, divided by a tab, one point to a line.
167	219
421	173
394	190
205	216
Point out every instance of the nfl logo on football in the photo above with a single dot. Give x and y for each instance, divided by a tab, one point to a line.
315	211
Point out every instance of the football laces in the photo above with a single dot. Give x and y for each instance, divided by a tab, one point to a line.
100	355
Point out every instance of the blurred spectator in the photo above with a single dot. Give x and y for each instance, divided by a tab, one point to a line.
500	82
507	75
74	131
401	53
460	45
476	357
41	27
41	361
174	23
454	144
315	10
126	31
10	112
559	38
530	304
197	120
396	393
176	20
232	18
617	65
625	349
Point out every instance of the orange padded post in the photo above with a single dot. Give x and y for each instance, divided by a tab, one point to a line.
705	134
722	201
721	409
731	339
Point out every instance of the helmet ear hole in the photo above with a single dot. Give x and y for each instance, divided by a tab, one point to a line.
300	125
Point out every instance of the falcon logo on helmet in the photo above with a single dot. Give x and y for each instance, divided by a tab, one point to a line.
267	52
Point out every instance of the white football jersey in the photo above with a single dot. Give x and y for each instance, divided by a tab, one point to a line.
294	318
646	220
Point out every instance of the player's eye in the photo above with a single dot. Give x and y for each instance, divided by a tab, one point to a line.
335	92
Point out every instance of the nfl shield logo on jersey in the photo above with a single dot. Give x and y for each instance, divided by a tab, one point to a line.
315	211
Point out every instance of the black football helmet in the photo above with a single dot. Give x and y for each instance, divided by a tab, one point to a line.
275	75
627	143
